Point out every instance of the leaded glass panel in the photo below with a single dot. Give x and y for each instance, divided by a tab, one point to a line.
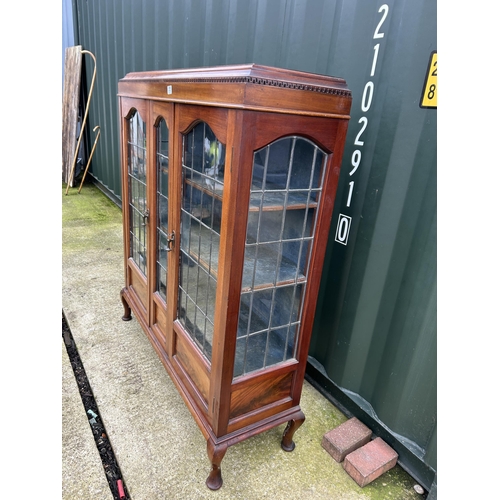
203	182
287	180
162	140
137	190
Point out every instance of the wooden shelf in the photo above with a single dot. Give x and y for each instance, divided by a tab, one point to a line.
297	200
206	253
274	200
215	193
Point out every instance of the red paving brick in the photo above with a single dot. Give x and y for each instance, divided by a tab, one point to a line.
370	461
346	438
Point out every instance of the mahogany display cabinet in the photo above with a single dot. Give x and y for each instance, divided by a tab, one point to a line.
229	177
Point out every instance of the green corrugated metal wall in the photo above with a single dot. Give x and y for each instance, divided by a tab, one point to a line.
374	339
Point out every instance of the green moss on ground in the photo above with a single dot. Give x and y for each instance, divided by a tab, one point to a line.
88	217
88	206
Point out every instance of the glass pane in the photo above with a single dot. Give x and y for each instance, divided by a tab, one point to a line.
254	312
287	180
276	348
278	165
285	306
162	204
203	160
136	148
304	153
256	351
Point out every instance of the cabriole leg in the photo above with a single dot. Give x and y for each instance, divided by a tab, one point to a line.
287	441
127	315
215	455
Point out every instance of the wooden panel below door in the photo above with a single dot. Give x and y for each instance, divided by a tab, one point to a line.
193	363
260	392
137	283
160	316
255	397
255	418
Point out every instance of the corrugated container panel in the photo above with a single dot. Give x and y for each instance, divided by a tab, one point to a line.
375	330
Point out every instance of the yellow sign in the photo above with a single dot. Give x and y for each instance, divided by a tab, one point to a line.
430	91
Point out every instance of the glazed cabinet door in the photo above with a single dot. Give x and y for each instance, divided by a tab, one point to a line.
146	153
201	156
162	236
136	200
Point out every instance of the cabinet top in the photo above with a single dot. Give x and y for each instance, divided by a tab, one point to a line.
247	86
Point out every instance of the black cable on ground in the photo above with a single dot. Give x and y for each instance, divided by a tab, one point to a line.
109	463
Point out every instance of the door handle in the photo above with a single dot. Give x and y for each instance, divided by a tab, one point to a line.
145	216
170	241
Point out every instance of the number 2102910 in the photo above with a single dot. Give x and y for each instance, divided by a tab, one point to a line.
344	222
366	100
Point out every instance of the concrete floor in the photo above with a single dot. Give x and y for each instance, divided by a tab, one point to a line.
160	450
